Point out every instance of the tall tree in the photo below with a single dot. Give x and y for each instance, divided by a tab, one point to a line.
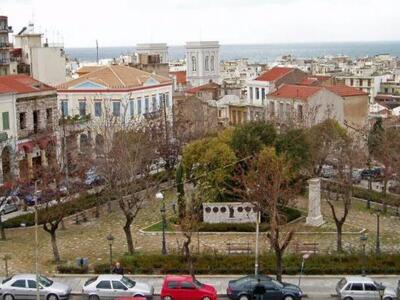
271	184
180	189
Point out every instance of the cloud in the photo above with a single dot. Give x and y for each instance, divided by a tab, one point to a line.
127	22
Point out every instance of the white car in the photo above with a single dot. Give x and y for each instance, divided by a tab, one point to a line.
110	286
362	288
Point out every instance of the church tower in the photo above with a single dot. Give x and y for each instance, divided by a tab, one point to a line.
202	62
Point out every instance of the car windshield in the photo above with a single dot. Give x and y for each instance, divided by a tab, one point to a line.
129	283
90	281
277	283
197	283
44	281
342	283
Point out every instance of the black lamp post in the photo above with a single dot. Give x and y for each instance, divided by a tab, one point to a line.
363	240
378	238
110	239
160	196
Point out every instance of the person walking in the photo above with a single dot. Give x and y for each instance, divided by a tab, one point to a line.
118	269
259	290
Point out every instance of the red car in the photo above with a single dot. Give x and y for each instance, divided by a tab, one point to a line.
185	288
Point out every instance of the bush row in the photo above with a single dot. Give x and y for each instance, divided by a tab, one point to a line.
244	264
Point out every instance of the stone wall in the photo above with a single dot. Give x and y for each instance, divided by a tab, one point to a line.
232	212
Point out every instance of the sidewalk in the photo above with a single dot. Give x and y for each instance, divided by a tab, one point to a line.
313	286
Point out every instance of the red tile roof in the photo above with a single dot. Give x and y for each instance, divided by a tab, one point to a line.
346	91
314	80
291	91
204	87
274	74
180	77
22	84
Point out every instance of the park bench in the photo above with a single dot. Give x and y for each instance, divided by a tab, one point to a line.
238	248
306	248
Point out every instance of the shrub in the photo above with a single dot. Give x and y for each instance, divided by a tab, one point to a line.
71	269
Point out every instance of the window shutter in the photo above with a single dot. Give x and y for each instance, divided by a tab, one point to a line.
6	121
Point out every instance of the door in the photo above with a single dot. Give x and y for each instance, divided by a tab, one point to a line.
273	291
19	290
189	292
32	290
104	290
371	291
357	291
119	289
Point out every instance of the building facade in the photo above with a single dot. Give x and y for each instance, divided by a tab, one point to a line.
159	49
202	62
5	46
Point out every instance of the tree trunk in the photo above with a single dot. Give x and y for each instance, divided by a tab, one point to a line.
56	253
279	265
128	234
2	231
339	247
97	213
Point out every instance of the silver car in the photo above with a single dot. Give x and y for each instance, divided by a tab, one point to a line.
23	287
362	288
107	287
7	206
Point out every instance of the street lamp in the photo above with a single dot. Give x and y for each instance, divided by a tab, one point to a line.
363	240
305	257
35	197
381	291
110	239
257	241
378	238
160	196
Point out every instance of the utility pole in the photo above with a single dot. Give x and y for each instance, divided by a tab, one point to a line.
36	244
97	51
378	238
256	267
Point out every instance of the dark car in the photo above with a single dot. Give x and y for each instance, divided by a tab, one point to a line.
373	173
242	289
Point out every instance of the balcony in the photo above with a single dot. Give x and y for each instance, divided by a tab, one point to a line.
4	61
5	45
75	123
3	137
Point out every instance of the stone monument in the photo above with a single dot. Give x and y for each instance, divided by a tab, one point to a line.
314	217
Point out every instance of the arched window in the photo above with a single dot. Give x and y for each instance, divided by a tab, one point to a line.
212	63
194	63
207	63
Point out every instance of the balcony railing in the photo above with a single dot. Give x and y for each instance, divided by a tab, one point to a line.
75	120
4	61
5	45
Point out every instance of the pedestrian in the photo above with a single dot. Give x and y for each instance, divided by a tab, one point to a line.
118	269
259	290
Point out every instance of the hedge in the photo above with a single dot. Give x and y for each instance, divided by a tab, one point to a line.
244	264
71	269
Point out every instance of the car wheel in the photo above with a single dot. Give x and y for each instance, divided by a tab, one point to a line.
244	297
52	297
8	297
94	297
288	297
167	298
388	298
348	298
206	298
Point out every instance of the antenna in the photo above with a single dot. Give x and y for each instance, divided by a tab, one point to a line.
97	51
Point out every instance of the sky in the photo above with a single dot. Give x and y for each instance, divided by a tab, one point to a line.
78	23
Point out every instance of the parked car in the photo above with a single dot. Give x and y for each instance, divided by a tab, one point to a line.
7	206
23	286
186	288
242	289
111	286
360	287
374	173
327	171
93	179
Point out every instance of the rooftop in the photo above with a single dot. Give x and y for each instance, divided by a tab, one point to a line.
117	77
291	91
180	76
274	74
205	87
22	84
346	91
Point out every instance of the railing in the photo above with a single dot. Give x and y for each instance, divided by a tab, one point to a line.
4	61
6	45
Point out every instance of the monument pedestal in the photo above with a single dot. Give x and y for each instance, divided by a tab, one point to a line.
314	217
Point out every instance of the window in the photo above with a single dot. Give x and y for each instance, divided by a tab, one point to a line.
167	100
82	108
188	285
132	108
263	94
251	93
351	82
64	108
207	63
173	285
104	285
117	285
19	283
6	121
288	110
97	109
161	99
212	63
281	112
146	104
31	284
257	93
22	120
49	115
272	108
154	102
370	287
300	112
116	108
194	63
36	115
357	287
139	106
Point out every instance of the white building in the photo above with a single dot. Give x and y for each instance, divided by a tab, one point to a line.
202	61
160	49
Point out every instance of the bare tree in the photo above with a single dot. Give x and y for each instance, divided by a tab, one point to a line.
271	185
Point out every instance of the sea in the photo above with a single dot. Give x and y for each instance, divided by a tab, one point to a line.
260	53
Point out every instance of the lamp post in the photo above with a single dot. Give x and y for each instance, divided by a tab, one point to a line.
305	257
363	240
110	239
381	291
378	238
160	196
257	242
36	242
